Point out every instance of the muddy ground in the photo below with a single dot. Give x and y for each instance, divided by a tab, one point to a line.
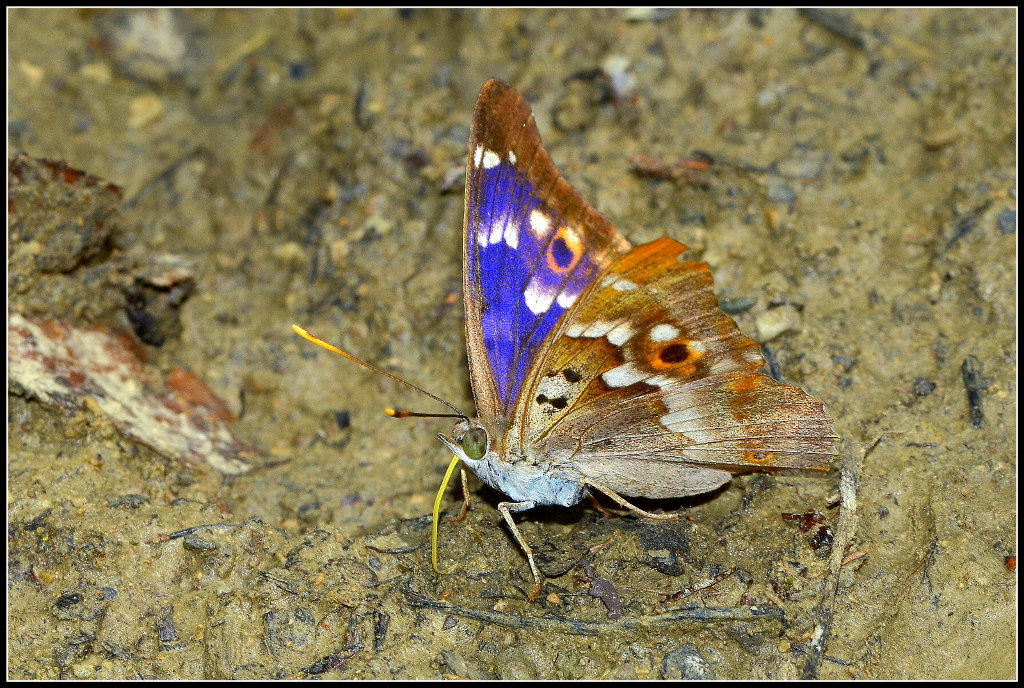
244	509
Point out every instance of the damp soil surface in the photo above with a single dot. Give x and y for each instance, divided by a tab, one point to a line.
213	497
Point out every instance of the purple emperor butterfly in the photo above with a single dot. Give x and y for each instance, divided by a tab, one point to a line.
597	366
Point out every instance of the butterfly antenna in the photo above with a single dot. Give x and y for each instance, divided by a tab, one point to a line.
401	413
391	412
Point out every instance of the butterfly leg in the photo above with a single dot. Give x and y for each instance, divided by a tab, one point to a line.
622	502
465	499
507	509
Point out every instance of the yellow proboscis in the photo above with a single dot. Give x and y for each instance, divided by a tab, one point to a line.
437	512
400	414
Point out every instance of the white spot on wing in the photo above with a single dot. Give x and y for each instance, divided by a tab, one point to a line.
683	409
617	332
664	333
491	159
620	334
722	365
565	299
540	224
478	155
538	297
684	405
680	420
623	375
512	235
599	328
688	417
689	424
554	386
512	157
624	285
498	225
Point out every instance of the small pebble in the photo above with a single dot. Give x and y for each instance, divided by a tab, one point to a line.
688	664
923	387
771	323
144	109
1008	221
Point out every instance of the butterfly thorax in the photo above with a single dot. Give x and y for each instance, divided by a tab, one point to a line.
522	479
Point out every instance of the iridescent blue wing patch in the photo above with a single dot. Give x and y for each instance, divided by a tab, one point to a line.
532	245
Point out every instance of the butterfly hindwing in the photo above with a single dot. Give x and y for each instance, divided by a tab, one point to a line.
532	245
646	373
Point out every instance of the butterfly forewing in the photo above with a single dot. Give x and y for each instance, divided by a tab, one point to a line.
532	245
647	368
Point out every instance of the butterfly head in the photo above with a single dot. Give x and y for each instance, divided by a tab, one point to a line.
470	441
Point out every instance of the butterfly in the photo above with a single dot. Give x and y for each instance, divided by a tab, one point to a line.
596	365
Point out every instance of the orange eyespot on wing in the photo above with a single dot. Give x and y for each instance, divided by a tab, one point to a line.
564	251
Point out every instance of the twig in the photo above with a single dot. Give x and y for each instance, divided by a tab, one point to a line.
971	371
852	459
691	613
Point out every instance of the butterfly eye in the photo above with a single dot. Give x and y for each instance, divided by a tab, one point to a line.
475	443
